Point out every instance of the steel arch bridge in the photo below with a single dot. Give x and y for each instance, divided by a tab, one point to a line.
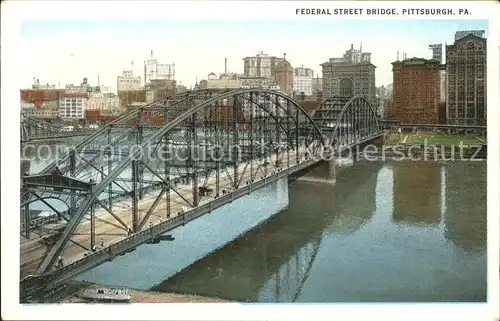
346	120
158	166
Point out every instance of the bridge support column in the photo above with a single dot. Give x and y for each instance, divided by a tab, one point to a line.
140	167
193	158
92	226
235	142
332	176
135	192
166	158
72	167
26	213
110	165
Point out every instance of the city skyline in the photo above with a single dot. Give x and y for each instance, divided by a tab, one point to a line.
199	47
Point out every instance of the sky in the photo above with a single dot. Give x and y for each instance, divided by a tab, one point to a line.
64	52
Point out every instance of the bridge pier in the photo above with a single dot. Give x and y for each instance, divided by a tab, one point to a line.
321	173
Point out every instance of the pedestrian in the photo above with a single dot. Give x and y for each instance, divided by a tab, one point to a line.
102	243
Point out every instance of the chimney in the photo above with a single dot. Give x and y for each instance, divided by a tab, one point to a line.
225	66
352	46
397	57
98	81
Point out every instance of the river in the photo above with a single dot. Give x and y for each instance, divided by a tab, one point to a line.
385	232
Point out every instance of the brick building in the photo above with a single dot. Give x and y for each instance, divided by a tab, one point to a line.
415	91
41	103
282	71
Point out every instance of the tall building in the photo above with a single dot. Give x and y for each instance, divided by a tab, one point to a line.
466	79
351	75
437	52
154	70
303	81
282	72
127	81
257	66
165	72
415	91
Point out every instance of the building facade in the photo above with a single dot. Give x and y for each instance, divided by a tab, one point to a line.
258	82
416	91
127	81
224	81
282	72
303	81
40	103
257	66
351	75
73	105
165	71
466	81
153	69
103	102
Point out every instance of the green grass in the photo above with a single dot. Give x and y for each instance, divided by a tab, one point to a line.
441	139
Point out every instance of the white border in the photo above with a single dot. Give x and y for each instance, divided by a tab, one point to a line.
14	12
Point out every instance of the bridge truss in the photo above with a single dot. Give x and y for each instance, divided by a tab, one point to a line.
33	129
158	161
346	120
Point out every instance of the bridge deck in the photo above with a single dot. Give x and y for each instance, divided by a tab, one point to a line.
111	231
115	237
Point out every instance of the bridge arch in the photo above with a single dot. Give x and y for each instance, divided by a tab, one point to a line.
291	123
345	120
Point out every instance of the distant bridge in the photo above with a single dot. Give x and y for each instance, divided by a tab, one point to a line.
234	141
33	129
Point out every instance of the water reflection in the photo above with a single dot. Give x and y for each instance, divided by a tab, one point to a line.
271	262
379	235
421	180
465	215
353	198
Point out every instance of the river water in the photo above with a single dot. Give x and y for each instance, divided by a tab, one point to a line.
392	231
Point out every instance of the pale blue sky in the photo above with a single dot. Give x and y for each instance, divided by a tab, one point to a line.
66	51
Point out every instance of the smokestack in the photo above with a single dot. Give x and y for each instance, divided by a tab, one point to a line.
98	81
352	46
225	66
397	57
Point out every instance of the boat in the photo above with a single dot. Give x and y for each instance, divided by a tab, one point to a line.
104	294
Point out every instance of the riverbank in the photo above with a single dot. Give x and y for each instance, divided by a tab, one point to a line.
140	296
